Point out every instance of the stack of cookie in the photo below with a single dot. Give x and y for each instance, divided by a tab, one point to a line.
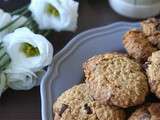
115	82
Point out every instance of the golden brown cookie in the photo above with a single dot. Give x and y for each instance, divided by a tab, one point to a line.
147	112
115	79
77	104
153	72
155	39
137	45
150	26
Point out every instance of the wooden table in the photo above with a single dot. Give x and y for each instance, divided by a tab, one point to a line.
21	105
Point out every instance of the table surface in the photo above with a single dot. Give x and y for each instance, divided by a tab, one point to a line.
22	105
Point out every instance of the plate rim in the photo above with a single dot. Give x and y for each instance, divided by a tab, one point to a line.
66	50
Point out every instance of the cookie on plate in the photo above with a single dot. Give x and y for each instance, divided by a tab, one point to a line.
147	112
76	104
155	39
153	72
150	26
137	45
116	80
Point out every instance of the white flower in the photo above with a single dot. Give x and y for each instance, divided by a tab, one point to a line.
60	15
20	79
4	20
23	79
3	83
28	50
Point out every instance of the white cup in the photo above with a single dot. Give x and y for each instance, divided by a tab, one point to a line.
136	8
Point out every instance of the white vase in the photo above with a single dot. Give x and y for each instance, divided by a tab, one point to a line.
136	8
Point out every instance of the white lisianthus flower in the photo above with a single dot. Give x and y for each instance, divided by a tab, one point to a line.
60	15
20	79
3	83
28	50
4	20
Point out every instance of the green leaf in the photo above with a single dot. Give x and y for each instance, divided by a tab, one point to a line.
3	81
18	11
11	23
2	52
4	62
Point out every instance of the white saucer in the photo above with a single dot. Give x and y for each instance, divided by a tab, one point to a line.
135	11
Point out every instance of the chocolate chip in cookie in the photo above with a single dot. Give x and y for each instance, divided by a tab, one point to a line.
63	108
145	65
87	109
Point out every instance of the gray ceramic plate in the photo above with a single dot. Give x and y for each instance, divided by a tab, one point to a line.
66	70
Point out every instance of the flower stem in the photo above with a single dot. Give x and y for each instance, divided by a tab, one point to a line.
2	52
9	24
18	11
4	58
46	33
28	22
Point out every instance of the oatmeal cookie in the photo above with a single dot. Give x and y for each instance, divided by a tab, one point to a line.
153	72
138	45
150	26
77	104
116	80
154	39
147	112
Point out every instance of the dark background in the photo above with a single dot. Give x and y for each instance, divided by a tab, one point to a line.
21	105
